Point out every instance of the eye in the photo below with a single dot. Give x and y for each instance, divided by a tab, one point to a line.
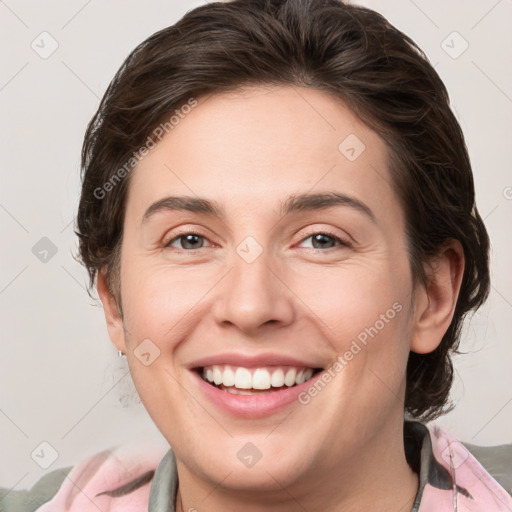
326	240
194	241
187	241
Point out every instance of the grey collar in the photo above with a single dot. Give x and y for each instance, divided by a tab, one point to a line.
162	496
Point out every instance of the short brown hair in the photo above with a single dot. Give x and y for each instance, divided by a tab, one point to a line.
347	51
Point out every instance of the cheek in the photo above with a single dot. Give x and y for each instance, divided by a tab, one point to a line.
354	299
364	315
158	301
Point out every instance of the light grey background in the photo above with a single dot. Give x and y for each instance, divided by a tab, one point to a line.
61	379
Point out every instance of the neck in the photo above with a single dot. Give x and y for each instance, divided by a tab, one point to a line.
378	479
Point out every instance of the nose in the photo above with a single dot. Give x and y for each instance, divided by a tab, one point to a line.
253	297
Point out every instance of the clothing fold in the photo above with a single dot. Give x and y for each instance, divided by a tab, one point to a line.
144	478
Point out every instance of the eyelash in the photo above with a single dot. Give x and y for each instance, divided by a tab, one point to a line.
341	241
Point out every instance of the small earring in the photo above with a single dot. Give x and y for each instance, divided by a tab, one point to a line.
120	353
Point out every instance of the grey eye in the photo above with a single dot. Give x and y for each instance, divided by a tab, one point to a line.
324	241
188	241
321	241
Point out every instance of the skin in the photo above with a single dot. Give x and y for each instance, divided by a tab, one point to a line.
249	150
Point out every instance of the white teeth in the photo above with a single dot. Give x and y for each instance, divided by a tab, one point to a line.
277	379
228	377
308	374
217	375
289	380
261	378
243	378
235	391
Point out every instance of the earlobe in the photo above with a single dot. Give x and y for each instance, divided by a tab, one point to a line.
112	312
435	303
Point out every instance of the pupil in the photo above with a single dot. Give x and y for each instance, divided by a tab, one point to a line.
322	240
190	240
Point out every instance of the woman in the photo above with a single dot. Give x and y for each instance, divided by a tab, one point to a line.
278	214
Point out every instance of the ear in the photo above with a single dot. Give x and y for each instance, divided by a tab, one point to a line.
435	303
112	312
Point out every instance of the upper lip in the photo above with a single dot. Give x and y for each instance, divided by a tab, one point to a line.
252	361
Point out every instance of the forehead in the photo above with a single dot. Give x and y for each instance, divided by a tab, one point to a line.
257	145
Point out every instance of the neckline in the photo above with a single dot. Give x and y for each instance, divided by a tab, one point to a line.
417	444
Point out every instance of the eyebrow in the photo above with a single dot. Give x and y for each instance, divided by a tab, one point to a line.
294	203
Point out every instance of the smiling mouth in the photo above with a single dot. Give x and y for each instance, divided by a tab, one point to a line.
251	381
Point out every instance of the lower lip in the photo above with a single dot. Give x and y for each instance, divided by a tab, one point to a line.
254	406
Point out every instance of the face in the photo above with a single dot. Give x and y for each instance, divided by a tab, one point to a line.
259	279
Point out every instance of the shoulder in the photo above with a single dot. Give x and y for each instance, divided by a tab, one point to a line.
29	500
476	478
497	461
117	479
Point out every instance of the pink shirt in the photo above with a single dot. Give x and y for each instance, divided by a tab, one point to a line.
143	478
